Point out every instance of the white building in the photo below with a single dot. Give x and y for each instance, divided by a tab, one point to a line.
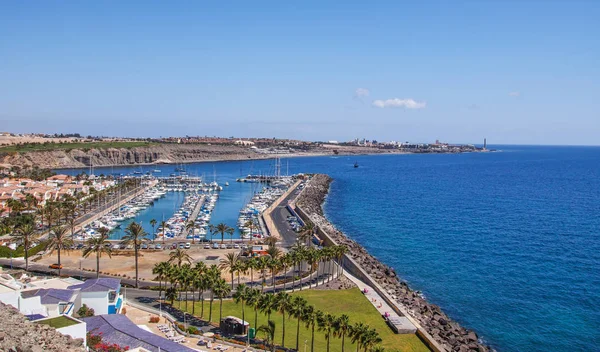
103	295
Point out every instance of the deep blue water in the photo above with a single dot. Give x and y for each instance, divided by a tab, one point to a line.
506	243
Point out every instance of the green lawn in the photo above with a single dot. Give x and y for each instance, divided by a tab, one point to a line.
58	322
351	302
77	145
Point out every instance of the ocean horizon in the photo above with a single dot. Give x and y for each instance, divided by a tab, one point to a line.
506	243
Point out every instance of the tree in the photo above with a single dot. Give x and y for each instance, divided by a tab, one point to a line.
285	261
98	245
179	256
171	294
185	278
312	256
273	265
249	224
85	311
326	324
161	270
357	331
266	304
240	296
269	331
189	228
369	339
230	263
310	320
213	275
163	226
342	327
221	290
135	235
59	240
298	310
306	233
263	263
339	252
222	229
253	300
153	224
283	304
252	264
26	233
201	282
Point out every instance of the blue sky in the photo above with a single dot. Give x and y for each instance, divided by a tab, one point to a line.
512	71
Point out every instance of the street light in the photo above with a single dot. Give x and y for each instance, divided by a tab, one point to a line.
160	304
184	321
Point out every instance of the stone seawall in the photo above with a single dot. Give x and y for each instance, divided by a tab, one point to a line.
434	325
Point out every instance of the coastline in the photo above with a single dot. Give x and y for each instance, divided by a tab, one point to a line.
444	333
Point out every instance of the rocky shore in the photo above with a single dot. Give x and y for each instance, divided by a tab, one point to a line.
444	330
17	334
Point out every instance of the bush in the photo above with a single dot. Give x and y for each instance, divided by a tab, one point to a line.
193	330
85	311
154	320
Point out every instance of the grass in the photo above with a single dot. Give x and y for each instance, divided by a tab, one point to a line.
58	322
35	147
351	302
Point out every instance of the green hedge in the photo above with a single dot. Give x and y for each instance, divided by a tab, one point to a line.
6	252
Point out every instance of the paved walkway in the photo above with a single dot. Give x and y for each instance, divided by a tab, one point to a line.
400	324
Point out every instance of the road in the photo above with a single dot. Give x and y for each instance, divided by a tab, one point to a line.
279	216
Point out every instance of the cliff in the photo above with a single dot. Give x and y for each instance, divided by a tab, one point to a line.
158	154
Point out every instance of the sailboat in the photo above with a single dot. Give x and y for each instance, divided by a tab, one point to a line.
355	164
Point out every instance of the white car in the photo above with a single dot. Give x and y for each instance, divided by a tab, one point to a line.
207	246
188	245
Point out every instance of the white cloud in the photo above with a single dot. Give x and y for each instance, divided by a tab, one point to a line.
399	103
361	92
514	94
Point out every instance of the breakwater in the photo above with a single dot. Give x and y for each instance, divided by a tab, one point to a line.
432	322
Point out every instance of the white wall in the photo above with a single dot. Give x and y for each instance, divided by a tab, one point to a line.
76	331
96	300
11	298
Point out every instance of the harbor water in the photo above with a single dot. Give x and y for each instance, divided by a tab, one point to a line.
506	243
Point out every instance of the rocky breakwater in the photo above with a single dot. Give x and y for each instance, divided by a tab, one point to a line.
17	334
448	333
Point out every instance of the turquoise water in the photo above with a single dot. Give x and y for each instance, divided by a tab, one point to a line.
506	243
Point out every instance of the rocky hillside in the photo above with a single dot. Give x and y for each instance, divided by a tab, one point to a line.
164	153
17	334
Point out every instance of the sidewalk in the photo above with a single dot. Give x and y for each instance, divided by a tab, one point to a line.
400	324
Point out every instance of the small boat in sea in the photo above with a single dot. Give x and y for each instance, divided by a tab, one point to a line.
355	165
156	170
226	183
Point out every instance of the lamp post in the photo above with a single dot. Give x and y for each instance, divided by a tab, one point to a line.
185	321
160	305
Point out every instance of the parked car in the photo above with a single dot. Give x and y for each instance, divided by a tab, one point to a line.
229	246
181	245
116	246
55	266
207	246
223	246
188	245
151	246
236	246
144	246
158	246
215	245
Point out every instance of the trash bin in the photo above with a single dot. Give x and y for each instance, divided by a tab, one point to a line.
252	333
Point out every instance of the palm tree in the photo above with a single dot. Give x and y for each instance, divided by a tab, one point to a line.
153	224
253	300
240	268
185	278
310	320
189	228
163	226
179	256
342	327
26	233
263	263
223	229
271	241
298	309
230	263
378	348
339	252
135	235
312	258
283	304
240	296
98	245
370	339
249	224
357	331
59	240
213	275
326	325
171	294
285	261
221	290
298	253
161	270
306	233
198	283
269	331
273	265
266	304
252	264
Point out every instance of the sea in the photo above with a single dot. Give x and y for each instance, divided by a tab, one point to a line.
506	242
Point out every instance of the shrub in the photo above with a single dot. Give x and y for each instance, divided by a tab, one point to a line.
154	320
193	330
85	311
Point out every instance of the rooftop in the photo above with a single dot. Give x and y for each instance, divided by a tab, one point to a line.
117	328
50	295
98	285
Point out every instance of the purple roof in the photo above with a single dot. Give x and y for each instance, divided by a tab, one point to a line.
50	295
33	317
117	328
98	285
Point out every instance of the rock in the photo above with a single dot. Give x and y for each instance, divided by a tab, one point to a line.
472	336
